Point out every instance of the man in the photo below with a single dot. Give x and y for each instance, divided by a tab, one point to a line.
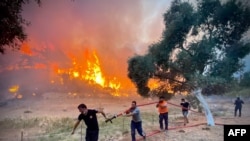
90	119
163	113
136	122
185	107
238	106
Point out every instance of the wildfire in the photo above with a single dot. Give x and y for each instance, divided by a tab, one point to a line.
154	84
90	71
25	48
14	89
79	67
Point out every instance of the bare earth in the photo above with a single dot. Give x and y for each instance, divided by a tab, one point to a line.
58	105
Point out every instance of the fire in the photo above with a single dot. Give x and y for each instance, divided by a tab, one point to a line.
89	71
76	74
154	84
94	72
83	65
14	89
25	48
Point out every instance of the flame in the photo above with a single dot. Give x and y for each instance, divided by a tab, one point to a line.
155	83
89	70
84	66
25	48
94	72
14	89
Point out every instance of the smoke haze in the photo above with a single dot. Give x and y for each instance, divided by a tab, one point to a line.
62	30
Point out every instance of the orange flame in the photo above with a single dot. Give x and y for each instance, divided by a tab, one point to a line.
90	71
14	89
154	84
25	48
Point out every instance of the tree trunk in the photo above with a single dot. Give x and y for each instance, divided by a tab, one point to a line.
209	116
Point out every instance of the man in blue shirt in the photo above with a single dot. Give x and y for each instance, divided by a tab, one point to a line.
136	122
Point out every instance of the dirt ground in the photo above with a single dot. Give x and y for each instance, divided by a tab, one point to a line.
58	105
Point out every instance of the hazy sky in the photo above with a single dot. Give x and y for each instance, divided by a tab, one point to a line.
64	31
116	29
102	24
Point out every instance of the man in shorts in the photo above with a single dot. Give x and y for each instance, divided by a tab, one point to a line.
185	107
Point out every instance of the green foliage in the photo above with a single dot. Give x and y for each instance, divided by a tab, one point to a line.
140	70
201	47
12	23
178	21
245	80
194	102
161	91
242	92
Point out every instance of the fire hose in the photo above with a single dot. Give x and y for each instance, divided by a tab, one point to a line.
182	107
158	131
126	111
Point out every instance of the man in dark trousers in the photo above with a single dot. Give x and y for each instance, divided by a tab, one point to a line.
163	113
90	119
136	122
185	107
238	106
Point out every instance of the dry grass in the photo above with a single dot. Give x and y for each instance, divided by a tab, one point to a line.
52	119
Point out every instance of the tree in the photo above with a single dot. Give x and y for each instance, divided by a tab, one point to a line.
200	48
12	23
245	80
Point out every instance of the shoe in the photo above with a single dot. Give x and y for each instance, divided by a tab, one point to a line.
144	136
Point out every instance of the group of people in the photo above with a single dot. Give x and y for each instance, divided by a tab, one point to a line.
90	118
92	130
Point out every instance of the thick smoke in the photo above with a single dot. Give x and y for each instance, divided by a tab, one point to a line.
59	30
